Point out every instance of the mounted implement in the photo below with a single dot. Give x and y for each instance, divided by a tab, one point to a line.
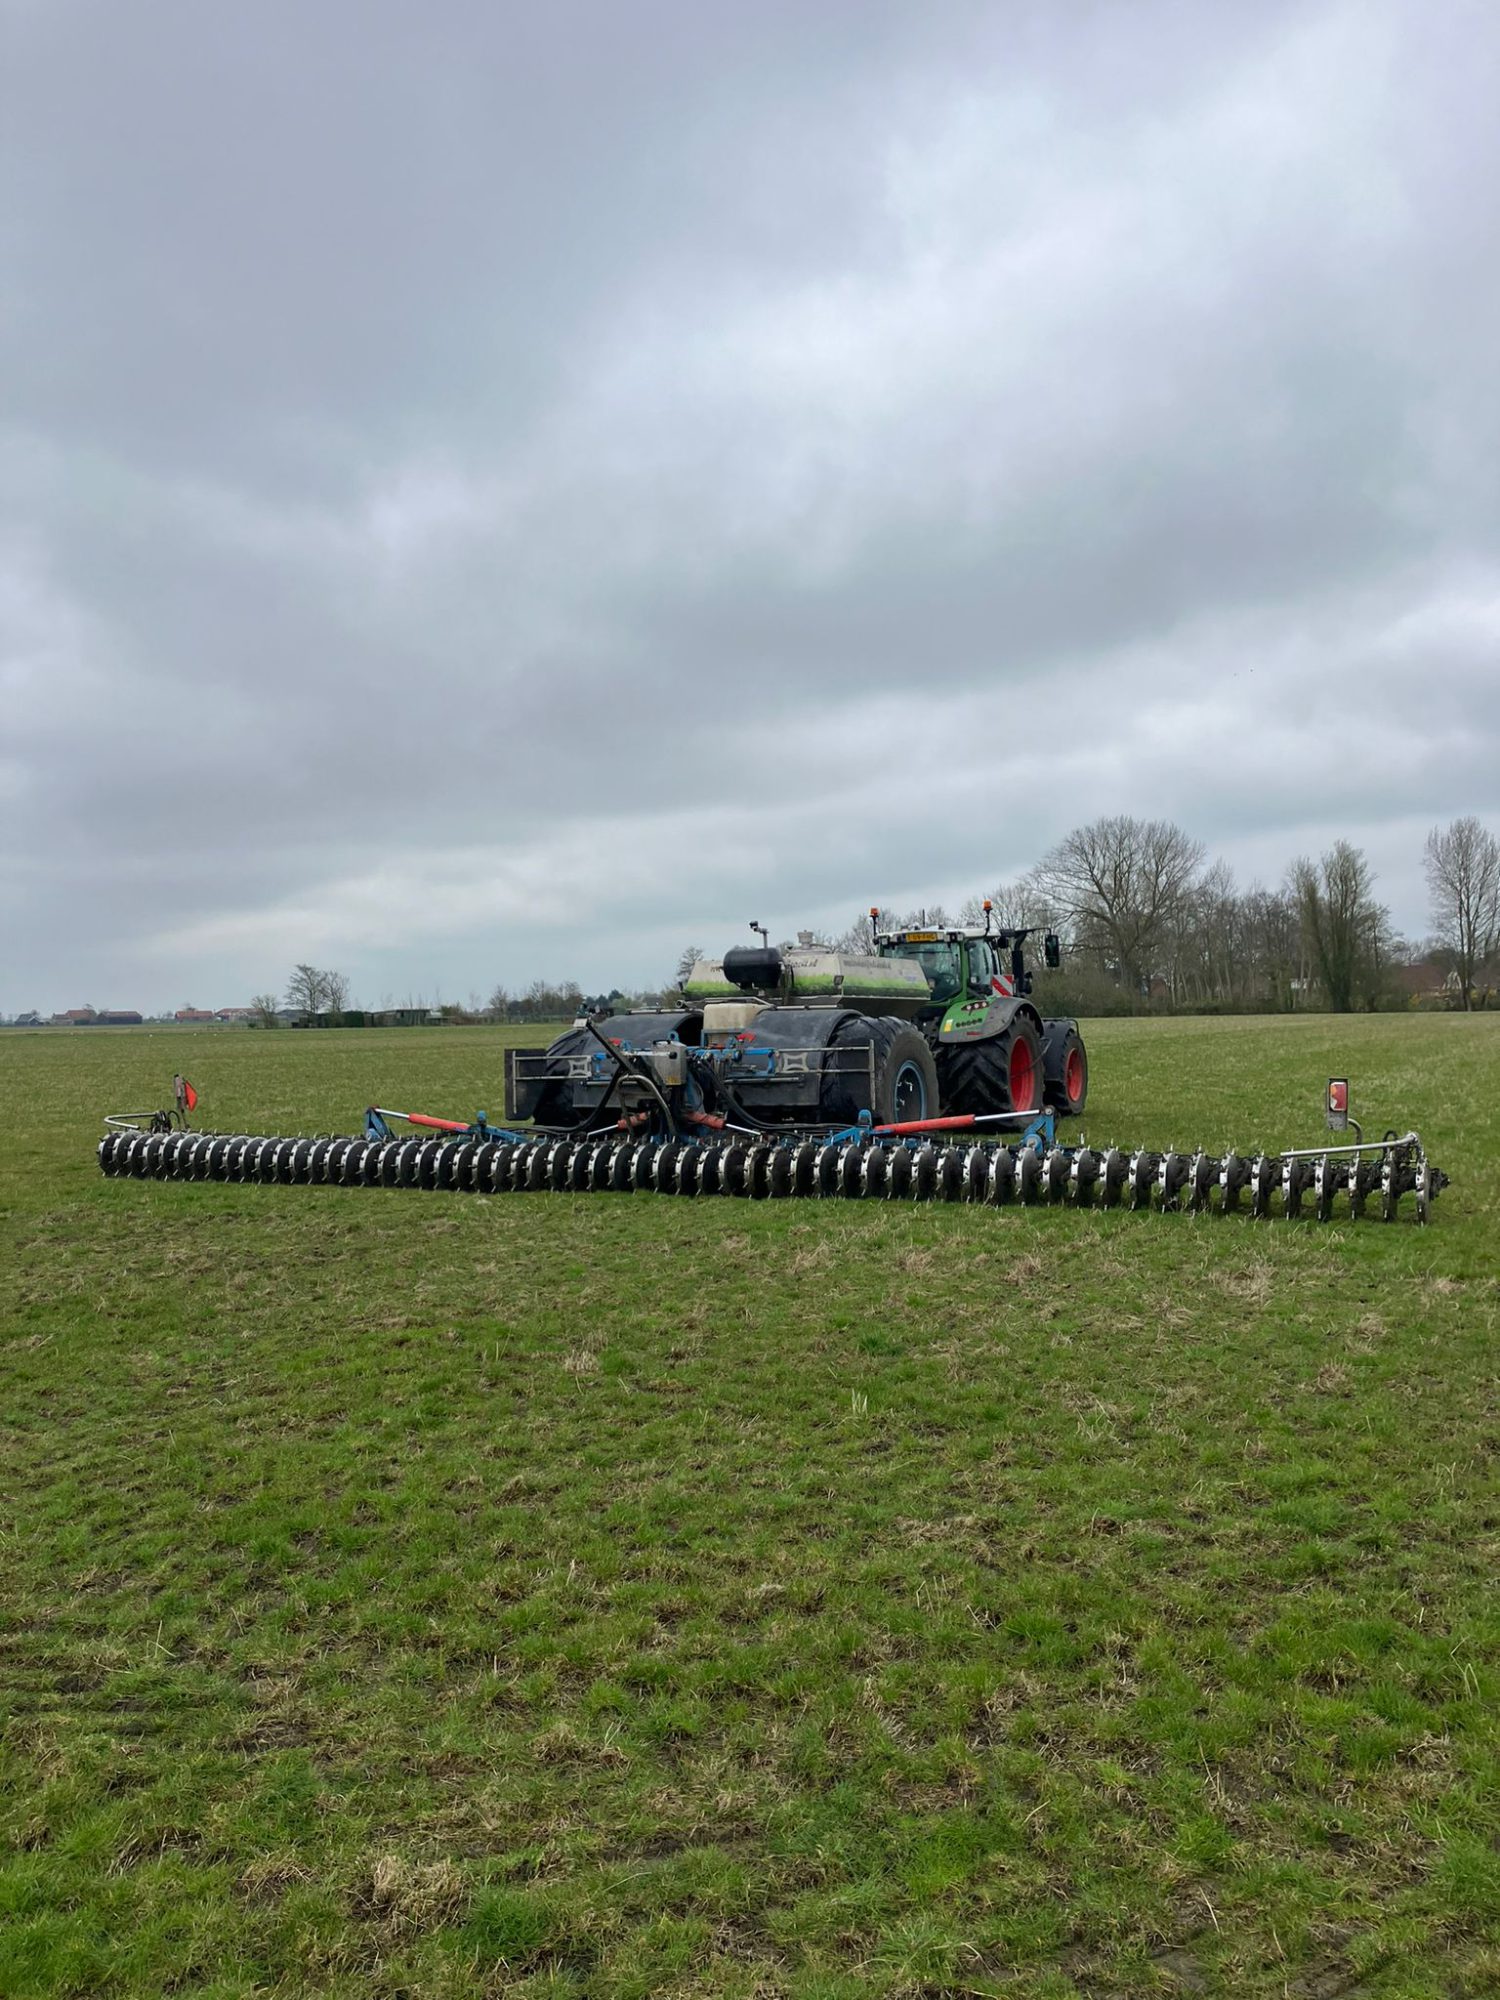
961	1158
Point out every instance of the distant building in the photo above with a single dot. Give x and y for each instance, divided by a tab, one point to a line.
114	1017
194	1014
32	1020
237	1014
76	1017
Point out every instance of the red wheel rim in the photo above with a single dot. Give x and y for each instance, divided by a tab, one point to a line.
1022	1074
1073	1075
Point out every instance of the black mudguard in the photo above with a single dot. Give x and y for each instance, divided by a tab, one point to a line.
986	1026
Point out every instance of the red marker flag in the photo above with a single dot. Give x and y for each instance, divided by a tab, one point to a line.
183	1091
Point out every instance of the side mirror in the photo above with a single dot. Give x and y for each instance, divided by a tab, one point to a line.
1052	951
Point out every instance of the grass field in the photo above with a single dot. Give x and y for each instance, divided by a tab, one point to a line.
412	1595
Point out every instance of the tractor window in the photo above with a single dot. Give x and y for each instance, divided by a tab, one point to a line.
983	966
941	965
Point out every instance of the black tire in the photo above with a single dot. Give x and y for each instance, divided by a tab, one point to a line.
978	1077
906	1080
1065	1069
554	1104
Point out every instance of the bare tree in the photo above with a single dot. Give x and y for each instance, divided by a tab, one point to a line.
1014	906
265	1009
305	990
687	958
859	940
1463	880
498	1005
1120	884
1273	943
336	992
1347	932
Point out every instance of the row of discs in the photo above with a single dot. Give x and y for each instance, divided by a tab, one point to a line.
758	1168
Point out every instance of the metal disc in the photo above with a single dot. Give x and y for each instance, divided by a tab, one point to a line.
950	1174
1002	1180
1323	1186
899	1171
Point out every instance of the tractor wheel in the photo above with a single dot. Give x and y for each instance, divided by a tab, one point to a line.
906	1084
1065	1069
1003	1074
554	1104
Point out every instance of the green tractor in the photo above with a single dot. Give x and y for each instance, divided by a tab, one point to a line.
993	1050
934	1022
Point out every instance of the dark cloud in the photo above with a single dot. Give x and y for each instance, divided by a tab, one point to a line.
503	490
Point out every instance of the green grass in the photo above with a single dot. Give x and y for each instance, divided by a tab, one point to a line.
412	1595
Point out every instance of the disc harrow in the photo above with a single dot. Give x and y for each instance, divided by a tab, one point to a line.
1352	1181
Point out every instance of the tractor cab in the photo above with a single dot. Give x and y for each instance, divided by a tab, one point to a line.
964	963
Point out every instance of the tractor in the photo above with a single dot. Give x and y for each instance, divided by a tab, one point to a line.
931	1022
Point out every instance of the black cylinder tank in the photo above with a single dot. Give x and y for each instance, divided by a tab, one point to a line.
754	968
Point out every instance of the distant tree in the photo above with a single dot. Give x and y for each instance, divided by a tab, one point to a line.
498	1005
1463	881
1014	906
1346	932
1273	945
1120	885
305	990
687	958
859	940
265	1009
336	992
926	917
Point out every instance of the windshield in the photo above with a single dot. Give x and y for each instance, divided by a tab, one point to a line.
939	962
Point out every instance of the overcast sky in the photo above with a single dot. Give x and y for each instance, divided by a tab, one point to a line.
501	490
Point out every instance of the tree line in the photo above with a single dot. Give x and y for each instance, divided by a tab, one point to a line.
1147	917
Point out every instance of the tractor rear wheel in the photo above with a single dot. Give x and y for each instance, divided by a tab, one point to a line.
1002	1074
554	1104
1065	1066
906	1081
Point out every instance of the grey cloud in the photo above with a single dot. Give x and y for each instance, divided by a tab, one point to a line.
648	457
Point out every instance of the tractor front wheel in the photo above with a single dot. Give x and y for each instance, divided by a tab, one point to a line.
1002	1074
1065	1066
